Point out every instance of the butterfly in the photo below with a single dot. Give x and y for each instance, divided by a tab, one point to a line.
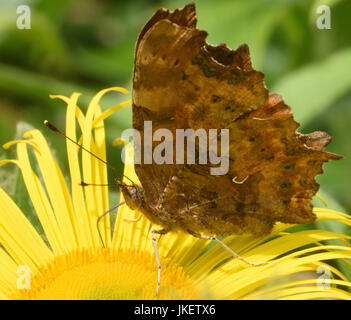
181	82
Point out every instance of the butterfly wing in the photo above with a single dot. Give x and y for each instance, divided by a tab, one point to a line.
170	89
182	82
278	168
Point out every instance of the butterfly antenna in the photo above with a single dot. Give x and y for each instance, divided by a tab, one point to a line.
53	128
85	184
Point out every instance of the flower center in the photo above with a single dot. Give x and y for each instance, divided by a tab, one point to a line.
106	274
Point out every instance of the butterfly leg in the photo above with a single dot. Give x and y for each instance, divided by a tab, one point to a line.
104	214
153	232
227	248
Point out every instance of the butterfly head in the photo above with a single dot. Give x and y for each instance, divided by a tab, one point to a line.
133	194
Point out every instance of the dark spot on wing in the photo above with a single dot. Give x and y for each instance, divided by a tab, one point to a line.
285	185
290	152
311	162
216	98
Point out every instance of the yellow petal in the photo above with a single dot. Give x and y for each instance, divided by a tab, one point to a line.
109	112
19	237
83	227
54	182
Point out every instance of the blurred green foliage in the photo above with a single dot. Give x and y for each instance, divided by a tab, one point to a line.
88	45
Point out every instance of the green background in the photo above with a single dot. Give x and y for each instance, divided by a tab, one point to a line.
87	45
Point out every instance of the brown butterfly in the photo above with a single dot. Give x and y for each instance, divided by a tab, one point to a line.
182	82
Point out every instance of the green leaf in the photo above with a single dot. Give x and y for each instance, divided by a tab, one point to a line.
313	88
39	48
238	22
316	4
38	88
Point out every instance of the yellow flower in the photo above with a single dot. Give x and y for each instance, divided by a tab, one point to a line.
73	264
